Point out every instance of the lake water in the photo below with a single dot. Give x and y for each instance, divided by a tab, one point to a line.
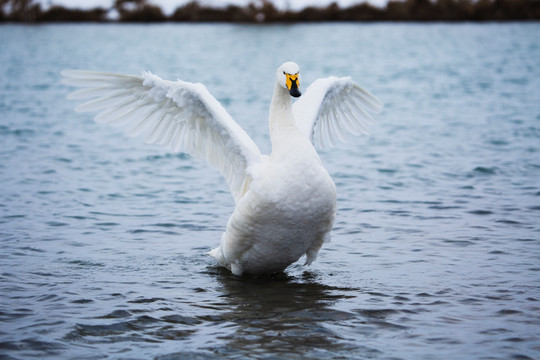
435	251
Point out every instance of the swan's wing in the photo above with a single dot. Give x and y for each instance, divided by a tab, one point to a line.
180	115
332	108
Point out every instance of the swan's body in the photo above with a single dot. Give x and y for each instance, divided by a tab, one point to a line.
285	202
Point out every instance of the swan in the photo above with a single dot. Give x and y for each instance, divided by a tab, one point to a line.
285	201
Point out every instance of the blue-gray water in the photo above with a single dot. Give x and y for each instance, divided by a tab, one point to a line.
436	246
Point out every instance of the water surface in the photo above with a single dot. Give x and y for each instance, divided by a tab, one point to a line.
436	247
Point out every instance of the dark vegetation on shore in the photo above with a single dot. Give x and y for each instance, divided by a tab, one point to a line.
263	11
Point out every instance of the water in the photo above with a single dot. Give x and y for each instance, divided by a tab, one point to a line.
436	247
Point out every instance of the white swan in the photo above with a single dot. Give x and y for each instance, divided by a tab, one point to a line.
285	202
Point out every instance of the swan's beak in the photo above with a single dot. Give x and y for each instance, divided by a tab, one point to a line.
293	83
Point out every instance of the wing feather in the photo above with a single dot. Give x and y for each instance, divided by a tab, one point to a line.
334	107
179	115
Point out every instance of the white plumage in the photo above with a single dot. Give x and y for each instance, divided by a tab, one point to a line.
285	202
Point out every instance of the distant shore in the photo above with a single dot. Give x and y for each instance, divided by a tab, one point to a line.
263	11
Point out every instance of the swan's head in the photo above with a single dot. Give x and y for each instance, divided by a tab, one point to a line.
288	76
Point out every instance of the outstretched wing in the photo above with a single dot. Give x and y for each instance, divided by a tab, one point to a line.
182	116
332	108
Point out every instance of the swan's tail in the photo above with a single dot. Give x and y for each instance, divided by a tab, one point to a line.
235	268
217	254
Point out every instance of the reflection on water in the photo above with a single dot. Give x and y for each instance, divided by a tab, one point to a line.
283	315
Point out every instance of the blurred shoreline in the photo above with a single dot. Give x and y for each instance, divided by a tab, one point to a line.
30	11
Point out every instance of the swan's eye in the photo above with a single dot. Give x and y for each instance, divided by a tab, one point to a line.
284	73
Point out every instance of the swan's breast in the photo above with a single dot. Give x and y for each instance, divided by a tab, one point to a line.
287	210
301	190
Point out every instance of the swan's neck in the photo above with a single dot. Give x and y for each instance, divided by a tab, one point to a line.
281	116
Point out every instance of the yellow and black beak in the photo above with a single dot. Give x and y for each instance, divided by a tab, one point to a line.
293	83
